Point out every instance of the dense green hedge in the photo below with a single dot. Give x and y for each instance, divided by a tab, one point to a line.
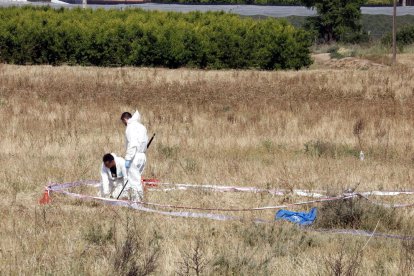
141	38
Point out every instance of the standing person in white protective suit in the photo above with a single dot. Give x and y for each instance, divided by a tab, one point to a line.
136	146
113	175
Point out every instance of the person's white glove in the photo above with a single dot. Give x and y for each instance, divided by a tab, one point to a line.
128	164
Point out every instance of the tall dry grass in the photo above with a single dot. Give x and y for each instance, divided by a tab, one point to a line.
266	129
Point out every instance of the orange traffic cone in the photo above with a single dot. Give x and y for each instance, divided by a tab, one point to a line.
45	198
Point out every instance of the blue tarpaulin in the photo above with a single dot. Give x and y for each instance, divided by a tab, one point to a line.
297	217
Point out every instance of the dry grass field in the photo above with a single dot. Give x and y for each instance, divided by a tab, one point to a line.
285	130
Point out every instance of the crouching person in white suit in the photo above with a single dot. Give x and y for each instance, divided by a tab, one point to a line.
136	146
113	176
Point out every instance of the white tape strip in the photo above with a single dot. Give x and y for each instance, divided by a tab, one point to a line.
159	186
220	217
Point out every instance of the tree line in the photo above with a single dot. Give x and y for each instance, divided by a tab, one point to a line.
134	37
336	20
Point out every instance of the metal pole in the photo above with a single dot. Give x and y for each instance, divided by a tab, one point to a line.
394	34
84	3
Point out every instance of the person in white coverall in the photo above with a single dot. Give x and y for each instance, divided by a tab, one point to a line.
113	176
136	146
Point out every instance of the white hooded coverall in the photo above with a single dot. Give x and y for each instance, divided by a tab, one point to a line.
112	186
136	146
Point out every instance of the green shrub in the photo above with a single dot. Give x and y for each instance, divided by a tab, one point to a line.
336	20
357	214
405	37
134	37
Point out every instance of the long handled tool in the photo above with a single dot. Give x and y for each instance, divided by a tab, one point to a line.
122	189
150	141
149	144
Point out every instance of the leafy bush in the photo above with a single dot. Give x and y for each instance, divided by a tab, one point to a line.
405	37
336	20
375	26
134	37
357	214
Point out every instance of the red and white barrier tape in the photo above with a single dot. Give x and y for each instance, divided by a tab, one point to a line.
140	207
247	209
63	189
159	186
56	187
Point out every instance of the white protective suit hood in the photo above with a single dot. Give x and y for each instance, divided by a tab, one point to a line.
136	118
136	137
